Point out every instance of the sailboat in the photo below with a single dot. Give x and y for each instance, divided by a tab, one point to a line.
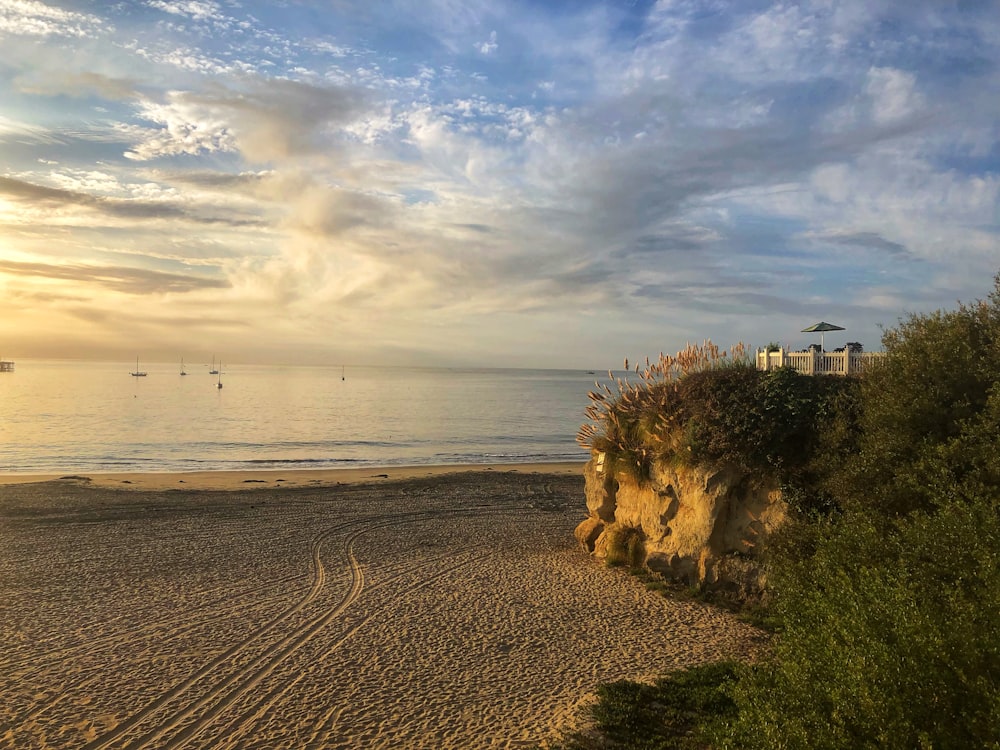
219	373
342	376
213	371
138	373
182	366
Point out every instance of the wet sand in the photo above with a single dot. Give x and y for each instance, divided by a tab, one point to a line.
451	609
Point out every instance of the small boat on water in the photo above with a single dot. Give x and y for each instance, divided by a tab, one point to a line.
219	373
182	367
138	373
214	371
6	366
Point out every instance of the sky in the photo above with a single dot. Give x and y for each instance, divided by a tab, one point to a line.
488	183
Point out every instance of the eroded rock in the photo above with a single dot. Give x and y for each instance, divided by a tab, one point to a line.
700	526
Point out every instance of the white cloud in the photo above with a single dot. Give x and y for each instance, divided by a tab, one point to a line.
186	129
14	131
685	165
200	10
91	181
893	94
489	47
269	120
33	18
188	59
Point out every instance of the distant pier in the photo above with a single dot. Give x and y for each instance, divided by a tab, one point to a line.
6	366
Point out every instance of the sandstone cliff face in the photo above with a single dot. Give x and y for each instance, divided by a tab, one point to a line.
699	526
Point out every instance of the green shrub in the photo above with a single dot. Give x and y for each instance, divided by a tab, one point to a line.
923	408
889	641
703	407
629	420
668	715
886	593
890	610
767	423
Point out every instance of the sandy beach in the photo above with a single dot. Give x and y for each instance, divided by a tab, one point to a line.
386	608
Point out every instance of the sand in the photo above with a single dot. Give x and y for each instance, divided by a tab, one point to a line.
444	610
236	480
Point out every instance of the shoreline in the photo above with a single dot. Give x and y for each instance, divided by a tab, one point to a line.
278	478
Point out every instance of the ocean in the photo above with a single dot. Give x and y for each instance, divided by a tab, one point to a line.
77	417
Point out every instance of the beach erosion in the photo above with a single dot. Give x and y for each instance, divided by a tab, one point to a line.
424	607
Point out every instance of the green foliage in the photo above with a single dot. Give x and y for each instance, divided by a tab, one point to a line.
705	407
923	407
767	423
886	593
889	641
890	611
628	420
668	715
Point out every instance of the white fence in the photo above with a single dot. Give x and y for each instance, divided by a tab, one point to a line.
818	363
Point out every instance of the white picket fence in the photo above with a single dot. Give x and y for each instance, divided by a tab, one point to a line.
818	363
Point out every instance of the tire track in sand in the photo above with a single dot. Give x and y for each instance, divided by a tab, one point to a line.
96	673
318	576
241	683
224	694
245	723
173	625
216	692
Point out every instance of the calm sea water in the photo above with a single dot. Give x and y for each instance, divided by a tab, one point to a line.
63	416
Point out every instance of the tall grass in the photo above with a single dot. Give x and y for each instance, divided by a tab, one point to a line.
633	420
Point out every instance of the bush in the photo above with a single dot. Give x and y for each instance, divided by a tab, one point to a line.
923	406
888	605
703	407
890	612
889	641
767	423
667	715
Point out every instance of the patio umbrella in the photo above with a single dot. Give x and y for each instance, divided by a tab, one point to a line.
821	328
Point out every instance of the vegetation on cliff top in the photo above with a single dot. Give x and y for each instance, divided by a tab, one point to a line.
889	609
704	406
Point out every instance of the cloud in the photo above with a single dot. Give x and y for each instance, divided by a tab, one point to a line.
22	132
76	84
893	93
488	47
663	169
136	281
32	18
244	182
268	121
198	10
54	198
866	240
166	53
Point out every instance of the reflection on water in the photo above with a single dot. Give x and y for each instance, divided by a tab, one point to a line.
72	416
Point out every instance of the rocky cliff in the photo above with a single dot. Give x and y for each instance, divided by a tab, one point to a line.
696	525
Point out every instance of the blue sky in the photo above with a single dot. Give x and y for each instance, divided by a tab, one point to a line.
495	183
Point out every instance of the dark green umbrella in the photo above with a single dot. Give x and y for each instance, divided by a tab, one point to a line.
821	328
